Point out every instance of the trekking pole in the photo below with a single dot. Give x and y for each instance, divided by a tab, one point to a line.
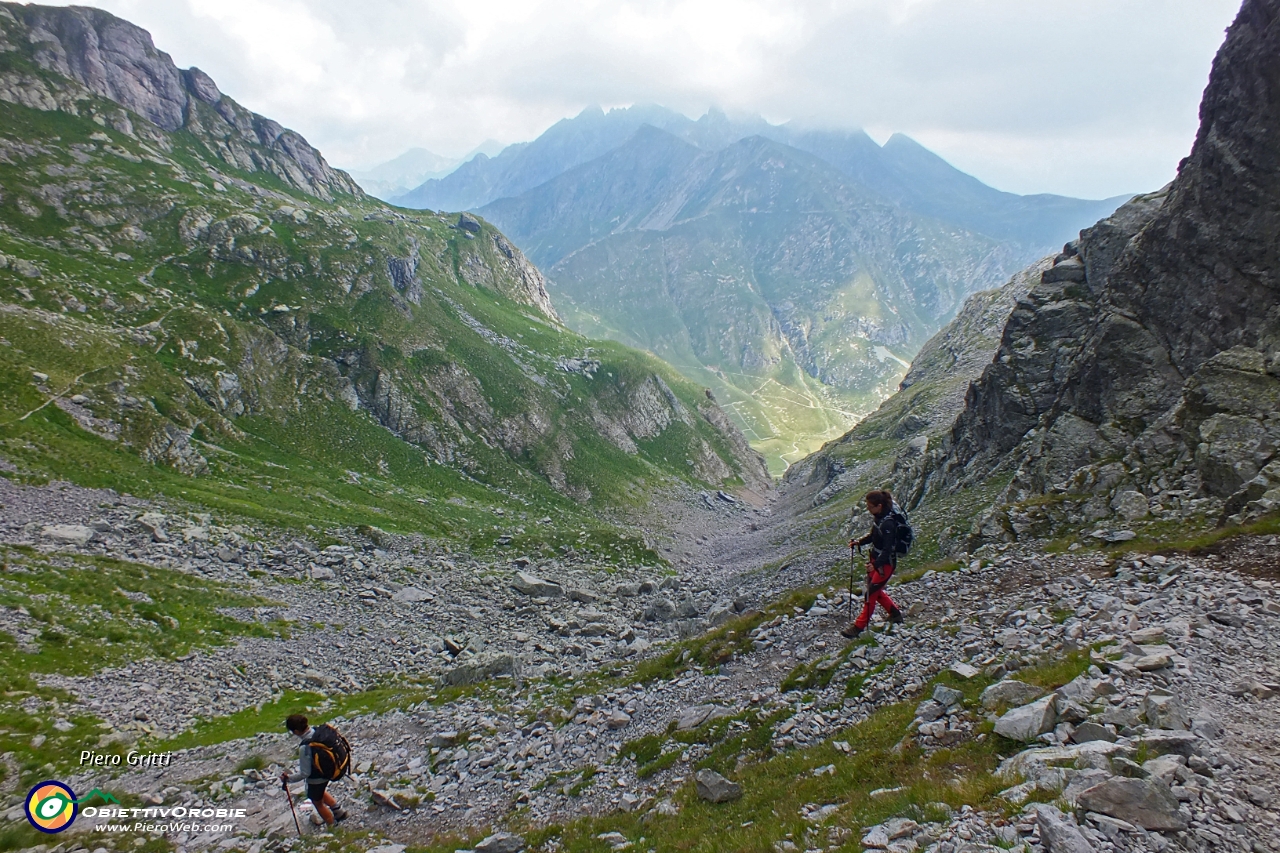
852	566
289	797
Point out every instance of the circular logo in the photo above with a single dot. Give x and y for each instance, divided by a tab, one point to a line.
51	806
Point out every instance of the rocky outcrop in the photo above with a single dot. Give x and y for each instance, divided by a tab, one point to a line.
1147	361
116	60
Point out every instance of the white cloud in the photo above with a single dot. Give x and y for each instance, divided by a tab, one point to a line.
1084	97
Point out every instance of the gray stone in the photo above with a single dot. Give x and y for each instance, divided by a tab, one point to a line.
1009	693
1151	663
1058	833
659	610
501	842
691	718
1147	803
1069	270
1130	505
412	595
948	697
1161	742
1088	731
930	710
1070	712
480	668
444	739
715	788
1083	781
1165	712
68	534
1166	768
687	608
536	587
1082	689
1120	717
322	573
1028	722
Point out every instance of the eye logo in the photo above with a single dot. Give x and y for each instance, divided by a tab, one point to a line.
51	806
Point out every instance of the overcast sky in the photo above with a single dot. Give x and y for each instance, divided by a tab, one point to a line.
1081	97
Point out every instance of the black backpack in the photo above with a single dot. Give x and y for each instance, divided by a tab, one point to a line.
330	753
906	536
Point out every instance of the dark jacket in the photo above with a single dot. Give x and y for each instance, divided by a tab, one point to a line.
883	540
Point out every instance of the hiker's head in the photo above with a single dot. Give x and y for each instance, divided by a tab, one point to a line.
878	503
297	724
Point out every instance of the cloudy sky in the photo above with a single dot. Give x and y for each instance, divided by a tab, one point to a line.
1081	97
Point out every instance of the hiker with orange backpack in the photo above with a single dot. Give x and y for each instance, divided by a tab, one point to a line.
323	757
890	536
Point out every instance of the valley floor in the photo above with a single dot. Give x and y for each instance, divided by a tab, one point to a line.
579	711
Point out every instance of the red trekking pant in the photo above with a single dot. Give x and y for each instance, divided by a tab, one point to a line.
877	579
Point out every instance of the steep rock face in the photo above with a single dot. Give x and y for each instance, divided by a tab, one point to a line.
116	60
1150	364
894	439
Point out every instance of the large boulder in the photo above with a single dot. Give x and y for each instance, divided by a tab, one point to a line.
1148	803
1028	722
1165	712
68	534
480	668
535	586
715	788
1009	693
1059	833
500	842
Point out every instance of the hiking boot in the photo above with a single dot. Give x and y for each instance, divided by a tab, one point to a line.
896	617
339	815
851	631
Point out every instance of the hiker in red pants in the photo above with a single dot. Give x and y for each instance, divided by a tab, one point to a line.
883	539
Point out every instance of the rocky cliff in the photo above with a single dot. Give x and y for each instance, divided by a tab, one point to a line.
1141	378
56	56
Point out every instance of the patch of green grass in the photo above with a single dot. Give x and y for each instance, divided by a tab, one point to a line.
80	614
645	749
269	717
815	674
1201	543
245	723
657	765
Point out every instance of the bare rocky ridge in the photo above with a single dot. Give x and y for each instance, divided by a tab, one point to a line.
116	60
1145	362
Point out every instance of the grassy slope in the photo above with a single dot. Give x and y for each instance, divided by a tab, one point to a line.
161	316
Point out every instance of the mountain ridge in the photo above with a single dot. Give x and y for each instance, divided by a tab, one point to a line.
117	61
248	313
758	269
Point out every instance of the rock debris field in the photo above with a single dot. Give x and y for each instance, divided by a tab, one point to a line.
1170	739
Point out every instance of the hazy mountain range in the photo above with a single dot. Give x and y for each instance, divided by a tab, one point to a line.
795	272
401	174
